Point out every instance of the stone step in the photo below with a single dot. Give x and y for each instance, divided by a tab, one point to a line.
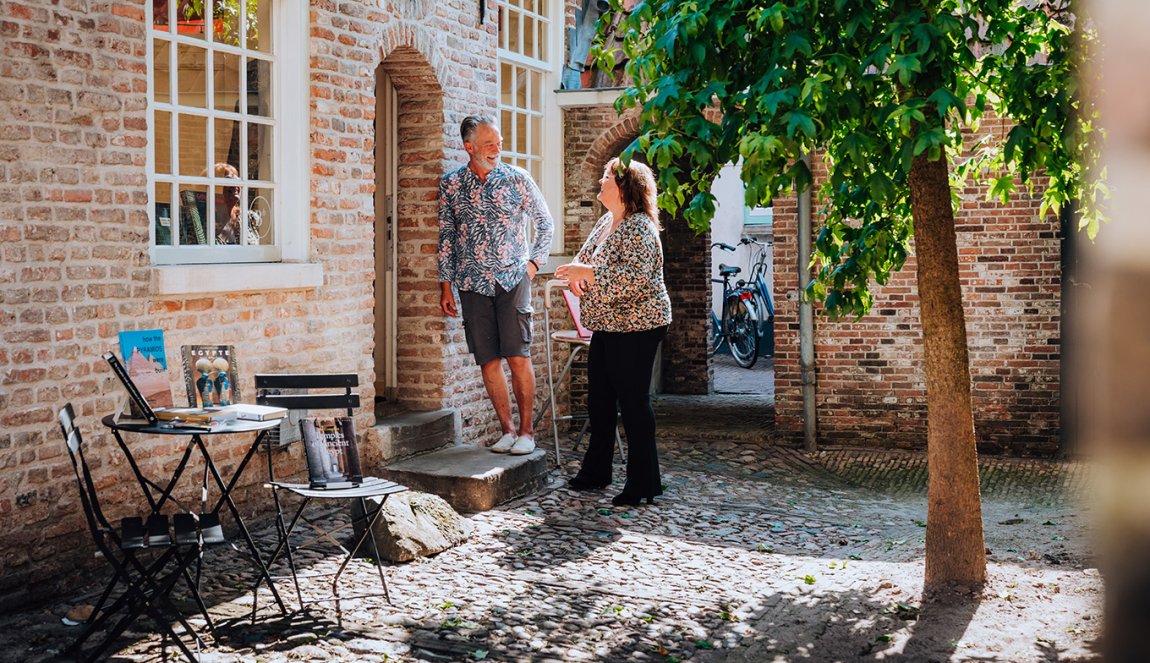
470	478
403	434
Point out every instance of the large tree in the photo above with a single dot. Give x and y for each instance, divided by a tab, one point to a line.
883	90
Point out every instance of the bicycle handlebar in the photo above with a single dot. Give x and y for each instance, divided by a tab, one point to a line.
724	246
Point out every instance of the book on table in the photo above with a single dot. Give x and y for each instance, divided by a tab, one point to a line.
197	415
146	363
250	412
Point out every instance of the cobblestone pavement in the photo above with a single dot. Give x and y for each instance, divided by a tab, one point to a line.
730	378
755	553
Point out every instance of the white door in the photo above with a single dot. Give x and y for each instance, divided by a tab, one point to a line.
386	169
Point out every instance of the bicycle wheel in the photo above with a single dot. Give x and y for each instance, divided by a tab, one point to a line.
742	327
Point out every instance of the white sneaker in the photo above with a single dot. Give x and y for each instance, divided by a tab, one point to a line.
523	446
504	444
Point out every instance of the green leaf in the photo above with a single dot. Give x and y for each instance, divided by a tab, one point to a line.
801	122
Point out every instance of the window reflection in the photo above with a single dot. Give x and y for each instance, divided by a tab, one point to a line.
259	152
226	21
163	133
226	82
260	226
191	83
160	19
258	24
162	80
163	197
259	87
190	18
193	219
193	130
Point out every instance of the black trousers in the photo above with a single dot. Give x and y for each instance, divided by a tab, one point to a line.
619	366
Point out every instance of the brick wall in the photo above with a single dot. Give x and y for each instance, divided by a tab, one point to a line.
871	390
76	267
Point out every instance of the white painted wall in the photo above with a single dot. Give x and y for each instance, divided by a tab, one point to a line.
727	226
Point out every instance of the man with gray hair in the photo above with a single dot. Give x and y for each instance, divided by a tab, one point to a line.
485	208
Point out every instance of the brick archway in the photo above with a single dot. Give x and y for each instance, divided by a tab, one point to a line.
686	267
611	142
410	62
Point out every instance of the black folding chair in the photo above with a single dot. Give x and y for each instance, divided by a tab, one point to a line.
145	584
338	394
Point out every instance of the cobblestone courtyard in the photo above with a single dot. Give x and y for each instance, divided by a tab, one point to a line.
755	553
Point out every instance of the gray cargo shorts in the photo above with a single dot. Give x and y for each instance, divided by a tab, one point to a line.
498	326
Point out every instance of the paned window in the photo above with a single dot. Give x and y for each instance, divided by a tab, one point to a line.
528	75
213	101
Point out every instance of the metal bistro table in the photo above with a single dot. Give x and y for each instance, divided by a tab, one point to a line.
195	437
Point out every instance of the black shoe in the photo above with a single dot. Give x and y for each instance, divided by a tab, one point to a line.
579	483
623	499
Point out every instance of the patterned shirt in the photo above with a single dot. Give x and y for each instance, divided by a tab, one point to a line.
483	228
629	293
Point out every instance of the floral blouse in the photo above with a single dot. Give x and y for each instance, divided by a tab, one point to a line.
483	228
629	293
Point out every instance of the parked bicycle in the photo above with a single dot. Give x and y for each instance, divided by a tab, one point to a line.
739	324
764	305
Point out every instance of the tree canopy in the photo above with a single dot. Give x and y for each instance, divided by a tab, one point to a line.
871	85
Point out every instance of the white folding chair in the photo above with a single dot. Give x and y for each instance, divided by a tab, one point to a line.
579	340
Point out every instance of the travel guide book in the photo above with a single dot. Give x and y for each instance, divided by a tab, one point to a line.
210	375
332	456
146	363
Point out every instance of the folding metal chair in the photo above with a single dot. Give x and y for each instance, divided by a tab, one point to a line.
145	585
355	488
579	340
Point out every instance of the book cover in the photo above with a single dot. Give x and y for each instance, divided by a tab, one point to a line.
332	455
135	398
146	363
210	375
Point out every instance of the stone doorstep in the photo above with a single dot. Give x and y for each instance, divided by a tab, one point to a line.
470	478
406	434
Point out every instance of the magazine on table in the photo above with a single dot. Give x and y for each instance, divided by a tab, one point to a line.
210	375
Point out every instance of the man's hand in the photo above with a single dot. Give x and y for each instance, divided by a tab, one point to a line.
532	270
447	299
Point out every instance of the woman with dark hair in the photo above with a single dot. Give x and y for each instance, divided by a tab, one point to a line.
618	274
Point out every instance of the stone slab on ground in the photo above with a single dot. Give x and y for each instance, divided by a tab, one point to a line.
412	525
470	478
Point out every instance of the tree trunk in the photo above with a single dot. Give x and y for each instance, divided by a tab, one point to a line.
955	552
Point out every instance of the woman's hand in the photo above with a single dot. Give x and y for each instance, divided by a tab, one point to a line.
577	275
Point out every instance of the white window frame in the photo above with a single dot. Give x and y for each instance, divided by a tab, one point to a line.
551	151
290	167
